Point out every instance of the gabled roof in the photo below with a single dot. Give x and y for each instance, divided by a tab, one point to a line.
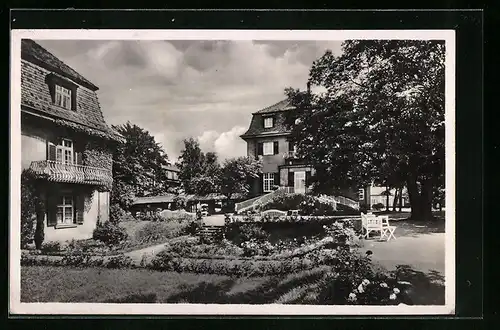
33	52
278	111
283	105
36	66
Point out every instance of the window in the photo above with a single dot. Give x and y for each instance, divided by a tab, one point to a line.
268	122
361	194
268	148
65	211
64	152
268	182
62	97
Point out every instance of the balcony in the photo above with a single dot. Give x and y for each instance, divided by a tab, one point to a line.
71	173
291	155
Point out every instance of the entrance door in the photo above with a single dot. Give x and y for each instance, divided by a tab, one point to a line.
300	182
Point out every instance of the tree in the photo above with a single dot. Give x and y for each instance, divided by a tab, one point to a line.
237	174
191	163
138	165
381	118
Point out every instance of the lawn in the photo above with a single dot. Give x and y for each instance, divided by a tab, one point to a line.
64	284
99	285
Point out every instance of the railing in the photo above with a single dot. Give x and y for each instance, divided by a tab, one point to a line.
347	202
291	190
71	173
291	154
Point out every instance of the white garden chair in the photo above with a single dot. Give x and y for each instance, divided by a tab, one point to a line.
387	229
370	224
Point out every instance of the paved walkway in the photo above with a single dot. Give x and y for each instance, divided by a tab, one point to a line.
149	252
421	246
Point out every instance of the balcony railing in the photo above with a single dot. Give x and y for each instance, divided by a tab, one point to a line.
71	173
291	155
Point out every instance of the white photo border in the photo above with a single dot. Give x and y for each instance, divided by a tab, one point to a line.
19	308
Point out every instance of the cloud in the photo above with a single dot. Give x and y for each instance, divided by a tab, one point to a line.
180	89
227	144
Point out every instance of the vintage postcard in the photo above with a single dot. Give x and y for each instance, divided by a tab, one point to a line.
234	172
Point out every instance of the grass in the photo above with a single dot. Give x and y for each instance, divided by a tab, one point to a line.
64	284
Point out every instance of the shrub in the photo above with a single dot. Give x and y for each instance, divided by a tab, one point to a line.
110	233
378	206
88	246
192	228
51	246
179	202
252	231
155	217
157	231
120	261
253	248
29	203
117	214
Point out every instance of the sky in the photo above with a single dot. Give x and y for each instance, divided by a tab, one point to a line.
177	89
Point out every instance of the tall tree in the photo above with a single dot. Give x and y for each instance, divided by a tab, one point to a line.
190	163
380	119
137	165
237	174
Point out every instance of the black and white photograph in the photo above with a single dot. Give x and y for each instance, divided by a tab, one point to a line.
232	172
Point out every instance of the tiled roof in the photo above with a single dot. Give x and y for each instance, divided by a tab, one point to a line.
171	168
278	111
167	198
280	106
35	93
33	52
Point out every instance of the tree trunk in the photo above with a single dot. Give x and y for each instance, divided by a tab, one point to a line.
414	197
400	199
387	199
395	201
426	200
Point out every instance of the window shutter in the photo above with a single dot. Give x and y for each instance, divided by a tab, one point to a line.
51	209
277	179
276	147
260	148
79	208
261	183
51	154
78	158
291	178
308	178
290	146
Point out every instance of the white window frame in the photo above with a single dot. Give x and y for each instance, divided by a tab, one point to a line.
65	148
268	182
62	97
68	203
268	122
268	148
361	194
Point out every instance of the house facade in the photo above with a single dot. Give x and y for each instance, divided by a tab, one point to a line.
172	175
65	144
267	139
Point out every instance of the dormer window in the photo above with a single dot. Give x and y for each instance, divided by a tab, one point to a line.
62	97
62	91
268	122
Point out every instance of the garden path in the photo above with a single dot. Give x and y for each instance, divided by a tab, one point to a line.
419	245
151	251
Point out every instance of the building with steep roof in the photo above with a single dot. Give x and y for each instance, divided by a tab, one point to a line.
267	138
66	144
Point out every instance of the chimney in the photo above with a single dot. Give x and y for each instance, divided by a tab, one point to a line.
308	87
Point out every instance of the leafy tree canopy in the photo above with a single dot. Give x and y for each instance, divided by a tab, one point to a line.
380	119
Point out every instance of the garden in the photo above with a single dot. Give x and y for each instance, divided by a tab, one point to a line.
292	259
